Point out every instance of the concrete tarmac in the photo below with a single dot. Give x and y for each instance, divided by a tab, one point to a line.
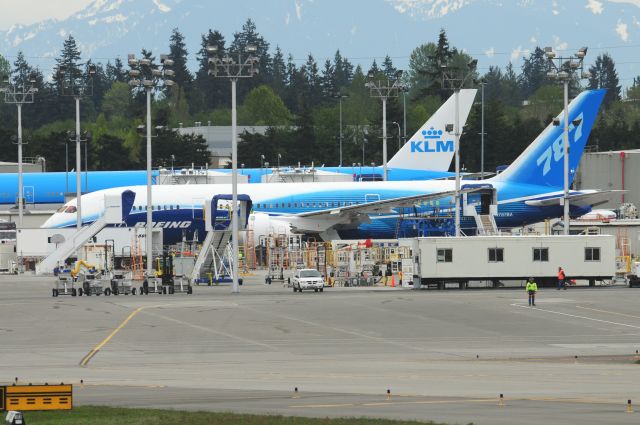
444	355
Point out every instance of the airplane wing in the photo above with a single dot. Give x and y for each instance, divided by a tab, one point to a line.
579	199
323	220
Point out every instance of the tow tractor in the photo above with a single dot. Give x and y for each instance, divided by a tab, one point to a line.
121	284
65	285
92	284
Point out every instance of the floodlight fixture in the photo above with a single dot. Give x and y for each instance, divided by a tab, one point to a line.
548	51
211	49
251	48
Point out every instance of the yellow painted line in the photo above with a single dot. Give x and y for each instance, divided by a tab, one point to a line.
97	348
609	312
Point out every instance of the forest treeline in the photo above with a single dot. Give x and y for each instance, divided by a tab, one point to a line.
300	102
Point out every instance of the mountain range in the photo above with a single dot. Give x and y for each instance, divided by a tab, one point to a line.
493	31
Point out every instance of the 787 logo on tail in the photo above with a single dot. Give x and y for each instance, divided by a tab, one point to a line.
555	152
432	142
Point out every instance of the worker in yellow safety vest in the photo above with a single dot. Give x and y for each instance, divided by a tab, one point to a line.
532	288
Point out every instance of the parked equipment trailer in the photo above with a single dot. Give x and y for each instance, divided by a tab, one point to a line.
438	261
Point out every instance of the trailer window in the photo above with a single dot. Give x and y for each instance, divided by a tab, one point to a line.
540	254
445	255
496	255
591	254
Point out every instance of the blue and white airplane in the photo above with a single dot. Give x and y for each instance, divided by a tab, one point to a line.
529	191
426	156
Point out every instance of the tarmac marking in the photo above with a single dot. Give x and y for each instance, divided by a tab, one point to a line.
213	331
97	348
463	401
609	312
576	316
337	329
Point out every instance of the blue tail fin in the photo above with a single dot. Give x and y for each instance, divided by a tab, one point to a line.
542	163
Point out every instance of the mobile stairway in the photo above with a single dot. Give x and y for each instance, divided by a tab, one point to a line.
215	256
116	210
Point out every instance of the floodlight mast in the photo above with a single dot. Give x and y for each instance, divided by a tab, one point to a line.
384	88
71	83
454	79
228	67
19	94
145	74
564	71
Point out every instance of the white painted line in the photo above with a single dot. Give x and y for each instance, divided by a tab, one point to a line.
576	316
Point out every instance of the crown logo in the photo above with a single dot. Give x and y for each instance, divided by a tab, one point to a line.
432	133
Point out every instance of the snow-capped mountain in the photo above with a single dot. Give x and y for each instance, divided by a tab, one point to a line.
493	31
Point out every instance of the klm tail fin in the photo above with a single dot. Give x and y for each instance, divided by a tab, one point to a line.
542	162
432	149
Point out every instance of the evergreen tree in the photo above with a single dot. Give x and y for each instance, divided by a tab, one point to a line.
116	72
178	53
210	92
250	37
388	68
278	73
605	76
374	69
534	72
328	89
313	81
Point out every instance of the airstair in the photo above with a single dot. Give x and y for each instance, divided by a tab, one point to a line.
486	225
215	256
116	209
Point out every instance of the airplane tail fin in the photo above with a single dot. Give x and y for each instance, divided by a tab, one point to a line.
431	148
542	163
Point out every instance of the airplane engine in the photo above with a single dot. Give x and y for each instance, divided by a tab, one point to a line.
264	225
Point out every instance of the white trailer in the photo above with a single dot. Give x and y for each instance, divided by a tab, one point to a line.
441	260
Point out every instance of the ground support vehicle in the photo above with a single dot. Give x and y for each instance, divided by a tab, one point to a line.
121	284
64	285
181	285
307	279
151	285
91	283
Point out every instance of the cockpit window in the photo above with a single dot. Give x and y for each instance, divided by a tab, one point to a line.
71	209
61	209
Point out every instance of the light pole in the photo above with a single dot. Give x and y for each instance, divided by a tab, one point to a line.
564	71
482	84
384	88
71	84
399	133
454	79
19	95
340	96
232	68
84	137
144	73
404	114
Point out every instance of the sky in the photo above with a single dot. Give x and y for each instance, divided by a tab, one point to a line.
30	11
495	32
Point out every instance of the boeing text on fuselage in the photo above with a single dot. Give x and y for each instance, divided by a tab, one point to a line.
432	142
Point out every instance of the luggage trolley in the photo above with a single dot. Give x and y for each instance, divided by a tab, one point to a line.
64	285
121	284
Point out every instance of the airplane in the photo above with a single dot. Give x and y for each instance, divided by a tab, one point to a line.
425	156
528	191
